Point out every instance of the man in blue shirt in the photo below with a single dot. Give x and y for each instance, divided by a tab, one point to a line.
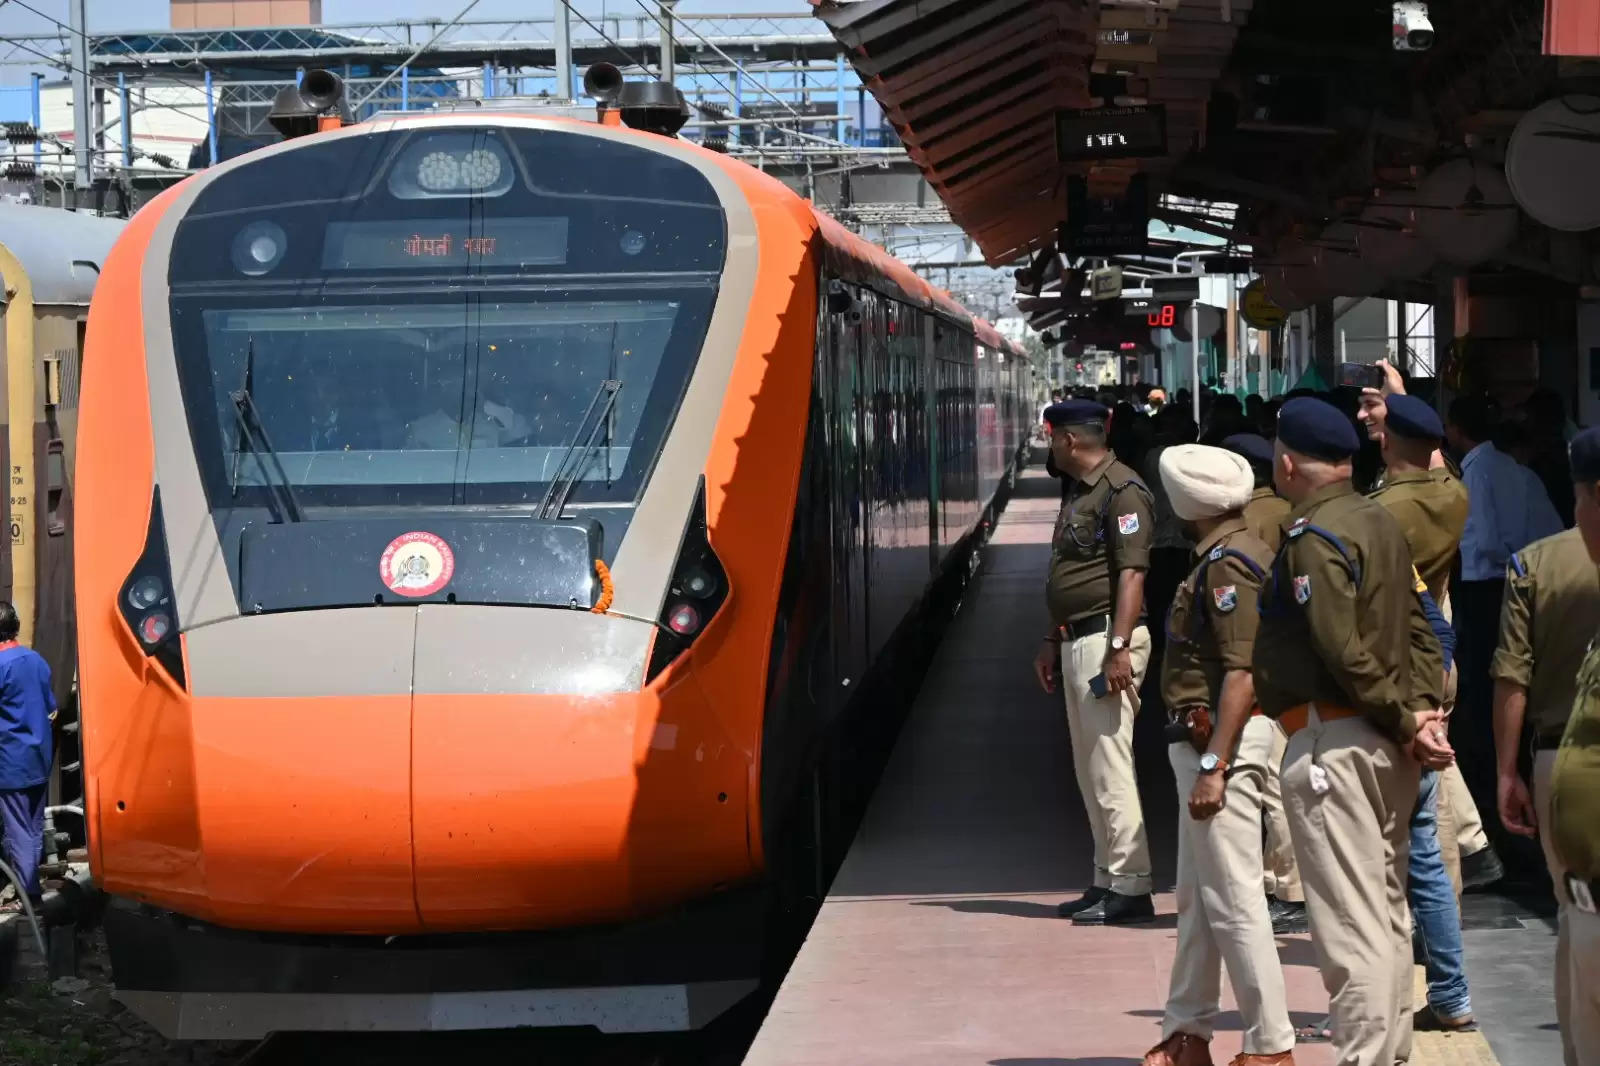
1507	509
27	708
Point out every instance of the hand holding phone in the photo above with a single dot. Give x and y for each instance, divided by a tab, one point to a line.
1361	375
1097	685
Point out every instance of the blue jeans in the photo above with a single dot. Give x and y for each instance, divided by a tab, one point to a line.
1433	907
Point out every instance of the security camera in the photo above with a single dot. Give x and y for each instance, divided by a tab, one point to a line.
1413	32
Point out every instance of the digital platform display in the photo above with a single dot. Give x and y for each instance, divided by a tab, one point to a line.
422	244
1097	133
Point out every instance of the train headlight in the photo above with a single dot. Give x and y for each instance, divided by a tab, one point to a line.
147	602
684	620
146	592
698	577
699	584
259	248
451	163
155	627
439	172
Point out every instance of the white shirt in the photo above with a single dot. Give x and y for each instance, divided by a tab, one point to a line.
1507	509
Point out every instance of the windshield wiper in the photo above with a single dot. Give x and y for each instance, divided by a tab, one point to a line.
568	472
253	435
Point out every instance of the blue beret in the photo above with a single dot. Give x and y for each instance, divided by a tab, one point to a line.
1075	413
1412	418
1252	446
1317	428
1584	455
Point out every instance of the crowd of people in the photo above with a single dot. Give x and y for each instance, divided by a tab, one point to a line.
1344	592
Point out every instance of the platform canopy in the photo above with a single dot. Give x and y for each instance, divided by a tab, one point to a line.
1301	112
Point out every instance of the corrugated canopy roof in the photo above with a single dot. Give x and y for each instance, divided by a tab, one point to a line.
973	86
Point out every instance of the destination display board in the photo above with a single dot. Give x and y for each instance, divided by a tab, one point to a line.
421	244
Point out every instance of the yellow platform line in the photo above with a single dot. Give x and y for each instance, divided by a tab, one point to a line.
1447	1049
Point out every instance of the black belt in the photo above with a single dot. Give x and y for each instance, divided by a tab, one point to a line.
1087	627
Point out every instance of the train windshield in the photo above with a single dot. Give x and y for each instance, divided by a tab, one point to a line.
445	323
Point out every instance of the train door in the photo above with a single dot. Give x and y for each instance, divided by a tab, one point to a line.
933	412
849	502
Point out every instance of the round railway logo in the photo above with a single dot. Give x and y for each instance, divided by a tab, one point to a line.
417	564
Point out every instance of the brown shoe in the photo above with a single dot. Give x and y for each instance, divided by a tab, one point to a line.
1280	1058
1180	1049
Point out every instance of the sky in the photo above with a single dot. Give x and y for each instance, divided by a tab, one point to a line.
107	15
18	17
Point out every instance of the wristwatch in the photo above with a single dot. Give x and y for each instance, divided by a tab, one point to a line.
1119	643
1212	763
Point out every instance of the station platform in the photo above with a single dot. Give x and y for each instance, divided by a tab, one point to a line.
939	945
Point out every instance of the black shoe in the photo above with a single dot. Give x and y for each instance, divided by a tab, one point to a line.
1481	868
1426	1021
1288	917
1083	903
1117	909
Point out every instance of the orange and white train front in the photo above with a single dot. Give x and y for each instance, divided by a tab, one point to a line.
429	553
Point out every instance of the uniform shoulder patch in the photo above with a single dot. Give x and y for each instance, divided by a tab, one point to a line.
1298	526
1226	597
1216	553
1128	523
1302	588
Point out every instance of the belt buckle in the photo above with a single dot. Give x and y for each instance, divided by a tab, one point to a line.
1582	897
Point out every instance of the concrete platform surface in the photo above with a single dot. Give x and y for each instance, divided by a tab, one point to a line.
938	944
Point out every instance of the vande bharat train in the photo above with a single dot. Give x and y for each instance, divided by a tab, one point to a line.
485	523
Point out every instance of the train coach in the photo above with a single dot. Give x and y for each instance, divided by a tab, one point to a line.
49	262
489	525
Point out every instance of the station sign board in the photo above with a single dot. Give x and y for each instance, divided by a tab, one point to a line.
1106	283
1086	135
1257	307
1102	228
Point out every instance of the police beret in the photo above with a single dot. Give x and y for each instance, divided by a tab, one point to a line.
1317	429
1584	456
1412	418
1075	413
1204	482
1253	447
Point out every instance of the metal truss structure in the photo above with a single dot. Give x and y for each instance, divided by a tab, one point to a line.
509	43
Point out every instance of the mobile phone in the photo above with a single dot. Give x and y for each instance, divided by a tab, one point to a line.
1097	685
1361	375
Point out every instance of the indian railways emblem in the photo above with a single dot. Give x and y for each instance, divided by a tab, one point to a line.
1302	588
1226	597
417	564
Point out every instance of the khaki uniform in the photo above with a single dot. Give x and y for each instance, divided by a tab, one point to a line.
1550	612
1222	915
1105	527
1574	832
1363	652
1431	509
1265	515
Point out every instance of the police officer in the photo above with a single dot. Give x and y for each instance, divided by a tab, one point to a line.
1098	647
1429	501
1347	663
1265	512
1550	613
1574	806
1265	515
1430	504
1221	766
